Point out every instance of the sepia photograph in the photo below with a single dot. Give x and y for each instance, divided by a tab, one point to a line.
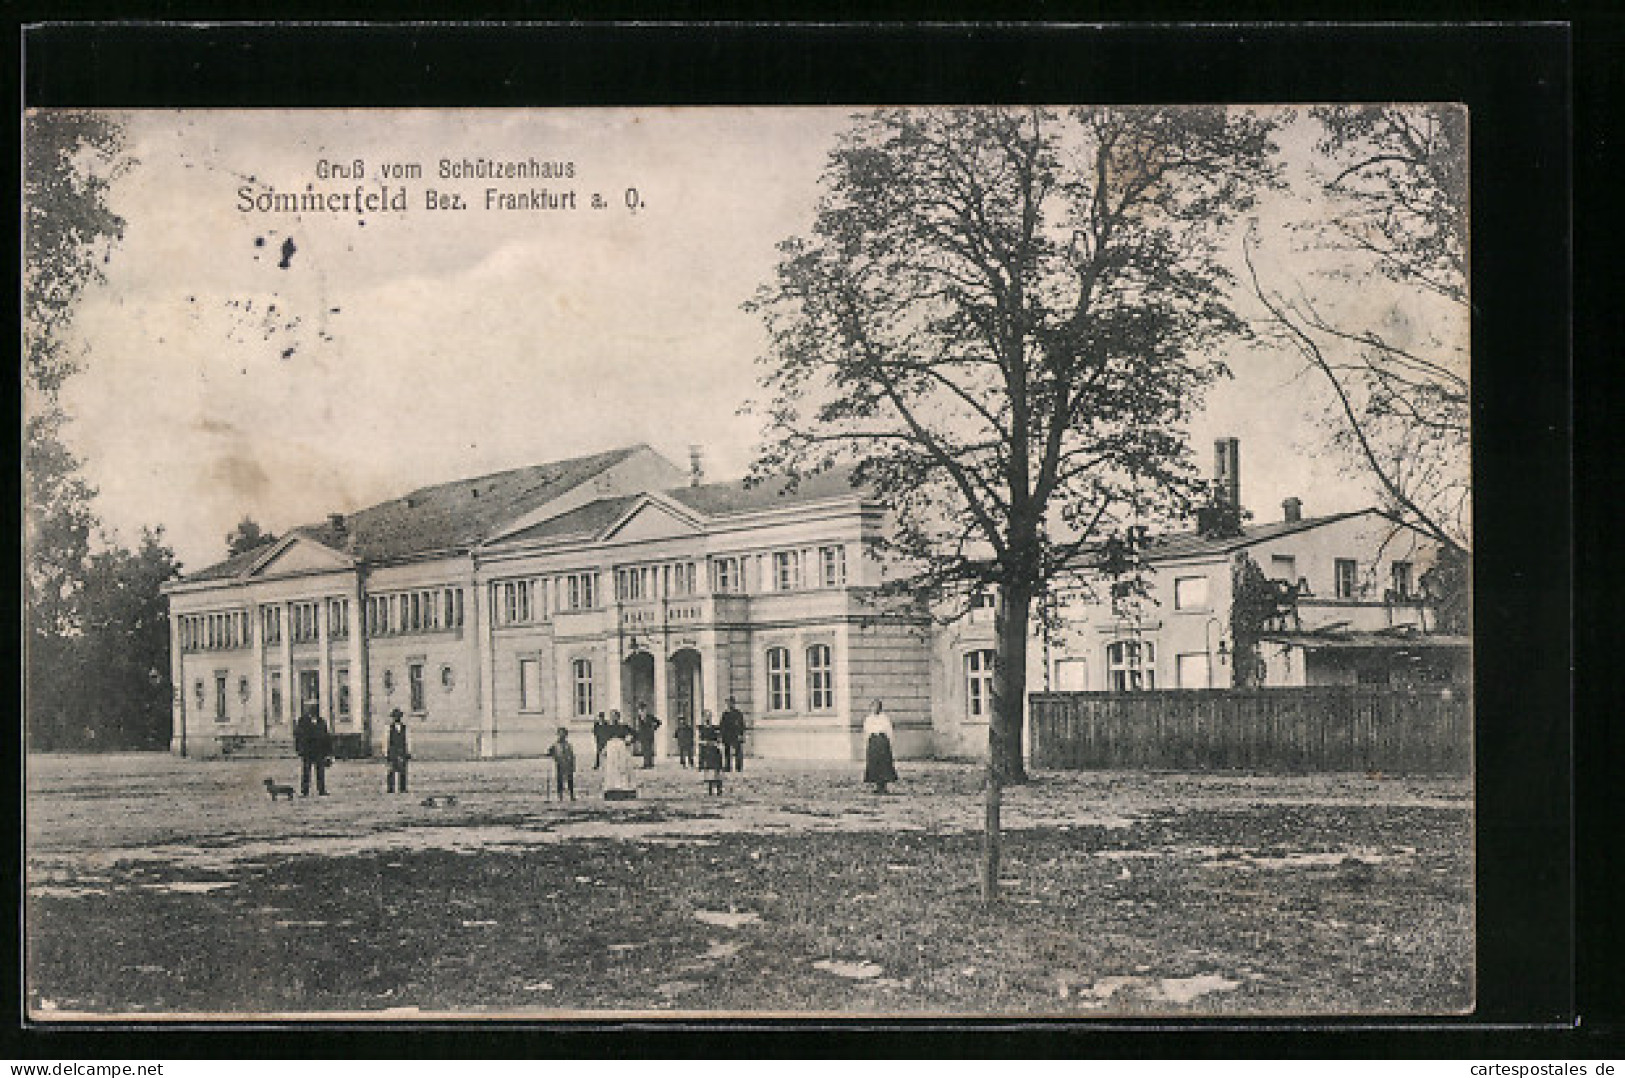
748	562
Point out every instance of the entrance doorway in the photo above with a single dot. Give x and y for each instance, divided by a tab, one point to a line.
687	695
638	683
310	691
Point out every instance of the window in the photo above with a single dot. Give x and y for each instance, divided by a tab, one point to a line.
304	617
452	608
581	591
786	570
1344	578
979	683
1284	567
831	566
338	618
984	599
341	692
530	685
1132	665
727	576
1402	580
220	697
414	682
820	678
1190	593
275	694
272	616
631	585
515	601
1194	670
778	679
683	578
581	676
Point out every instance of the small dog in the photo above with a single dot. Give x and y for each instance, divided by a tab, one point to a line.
276	790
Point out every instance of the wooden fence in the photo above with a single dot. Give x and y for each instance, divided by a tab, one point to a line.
1281	730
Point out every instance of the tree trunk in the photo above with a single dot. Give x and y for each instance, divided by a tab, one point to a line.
1005	751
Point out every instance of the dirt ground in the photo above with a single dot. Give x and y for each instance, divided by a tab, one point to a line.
165	887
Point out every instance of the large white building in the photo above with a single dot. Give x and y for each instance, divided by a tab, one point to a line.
491	611
494	610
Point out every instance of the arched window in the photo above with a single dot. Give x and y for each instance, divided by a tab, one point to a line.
979	683
820	678
1131	665
581	676
778	679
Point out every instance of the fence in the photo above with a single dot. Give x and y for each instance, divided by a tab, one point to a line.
1301	729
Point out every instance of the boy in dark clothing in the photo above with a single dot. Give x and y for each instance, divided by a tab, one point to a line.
600	737
396	753
711	755
685	740
564	764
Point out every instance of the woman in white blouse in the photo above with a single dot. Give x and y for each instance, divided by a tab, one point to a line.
877	757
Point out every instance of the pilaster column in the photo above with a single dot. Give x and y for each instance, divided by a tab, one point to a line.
359	710
324	676
487	667
177	685
290	684
661	704
256	631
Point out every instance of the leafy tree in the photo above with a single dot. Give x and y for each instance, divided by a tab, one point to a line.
123	650
1003	316
68	231
73	662
1257	604
1397	191
247	536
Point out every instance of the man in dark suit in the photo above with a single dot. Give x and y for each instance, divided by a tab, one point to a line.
396	753
314	743
647	724
733	738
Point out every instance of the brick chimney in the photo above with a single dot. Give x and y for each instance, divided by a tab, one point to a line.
696	466
1227	472
1292	510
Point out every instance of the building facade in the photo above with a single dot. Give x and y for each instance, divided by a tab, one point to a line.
493	611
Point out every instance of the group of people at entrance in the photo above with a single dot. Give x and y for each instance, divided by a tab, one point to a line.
721	748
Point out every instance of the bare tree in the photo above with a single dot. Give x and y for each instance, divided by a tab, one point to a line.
1003	316
1397	185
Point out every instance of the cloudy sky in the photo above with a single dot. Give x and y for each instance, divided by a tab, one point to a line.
394	350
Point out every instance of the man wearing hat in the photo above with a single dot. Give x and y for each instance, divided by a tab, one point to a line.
396	752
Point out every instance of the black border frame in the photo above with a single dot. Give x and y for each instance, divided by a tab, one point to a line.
1517	80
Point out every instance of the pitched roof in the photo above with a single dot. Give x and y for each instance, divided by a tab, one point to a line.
446	516
231	566
723	499
710	499
586	520
1195	544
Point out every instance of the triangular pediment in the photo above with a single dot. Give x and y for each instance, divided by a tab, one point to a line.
653	518
297	554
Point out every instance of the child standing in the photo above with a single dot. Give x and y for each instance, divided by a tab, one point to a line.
711	755
564	764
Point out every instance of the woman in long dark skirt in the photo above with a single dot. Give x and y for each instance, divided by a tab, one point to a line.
878	767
